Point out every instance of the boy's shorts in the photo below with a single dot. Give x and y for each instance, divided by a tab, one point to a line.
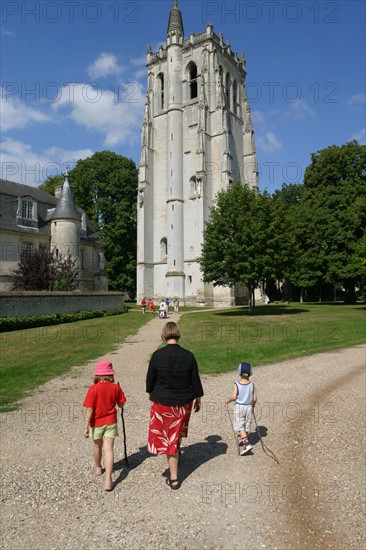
242	417
108	430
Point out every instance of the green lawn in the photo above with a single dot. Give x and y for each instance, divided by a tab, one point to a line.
34	356
220	339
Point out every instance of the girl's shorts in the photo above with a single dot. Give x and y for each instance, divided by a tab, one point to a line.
108	430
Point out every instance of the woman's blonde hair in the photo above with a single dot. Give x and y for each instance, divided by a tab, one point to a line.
104	378
170	331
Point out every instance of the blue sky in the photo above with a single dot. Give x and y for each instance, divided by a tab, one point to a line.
74	78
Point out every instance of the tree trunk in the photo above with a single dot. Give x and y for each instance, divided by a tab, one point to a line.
301	295
320	293
350	297
250	299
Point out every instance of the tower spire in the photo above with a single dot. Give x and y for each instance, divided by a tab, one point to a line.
65	208
175	20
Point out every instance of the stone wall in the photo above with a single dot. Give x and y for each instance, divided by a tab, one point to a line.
26	304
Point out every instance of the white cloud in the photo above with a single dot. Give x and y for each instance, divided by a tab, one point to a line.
17	114
269	142
138	61
21	164
106	64
5	32
357	101
299	110
257	117
116	113
360	136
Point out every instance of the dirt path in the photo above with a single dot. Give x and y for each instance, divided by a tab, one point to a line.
310	413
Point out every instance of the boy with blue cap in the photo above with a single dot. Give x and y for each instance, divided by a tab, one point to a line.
245	398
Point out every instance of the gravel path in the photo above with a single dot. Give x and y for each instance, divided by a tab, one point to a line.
310	413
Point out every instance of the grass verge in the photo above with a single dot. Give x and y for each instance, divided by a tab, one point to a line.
32	357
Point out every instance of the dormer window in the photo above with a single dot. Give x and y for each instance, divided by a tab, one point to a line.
27	209
27	212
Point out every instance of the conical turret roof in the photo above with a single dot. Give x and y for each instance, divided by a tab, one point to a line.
175	20
65	208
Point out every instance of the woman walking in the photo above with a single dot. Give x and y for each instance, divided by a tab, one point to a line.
174	386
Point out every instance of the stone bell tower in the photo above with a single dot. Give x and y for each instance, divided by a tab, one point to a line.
197	138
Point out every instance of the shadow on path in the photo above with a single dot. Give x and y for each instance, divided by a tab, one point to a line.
134	461
193	456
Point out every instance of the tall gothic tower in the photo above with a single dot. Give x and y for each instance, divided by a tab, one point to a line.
197	138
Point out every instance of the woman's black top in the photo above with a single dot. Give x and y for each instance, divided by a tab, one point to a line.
172	377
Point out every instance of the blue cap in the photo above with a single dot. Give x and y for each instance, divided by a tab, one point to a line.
245	368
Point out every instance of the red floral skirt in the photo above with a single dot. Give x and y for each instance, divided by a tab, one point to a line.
167	425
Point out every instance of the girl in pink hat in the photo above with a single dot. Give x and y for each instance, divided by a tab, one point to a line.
101	418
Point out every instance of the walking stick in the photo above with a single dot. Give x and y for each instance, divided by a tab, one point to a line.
124	435
266	449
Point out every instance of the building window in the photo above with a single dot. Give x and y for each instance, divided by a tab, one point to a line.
193	186
235	97
192	77
161	90
26	248
27	209
163	249
227	90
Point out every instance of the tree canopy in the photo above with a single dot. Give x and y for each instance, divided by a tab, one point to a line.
105	186
43	269
332	214
307	234
235	249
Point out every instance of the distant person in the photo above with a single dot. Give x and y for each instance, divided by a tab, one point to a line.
150	305
143	305
101	418
266	299
176	305
174	386
167	302
163	314
245	398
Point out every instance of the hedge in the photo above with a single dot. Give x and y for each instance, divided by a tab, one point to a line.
8	324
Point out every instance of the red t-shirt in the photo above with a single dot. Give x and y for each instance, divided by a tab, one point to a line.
103	398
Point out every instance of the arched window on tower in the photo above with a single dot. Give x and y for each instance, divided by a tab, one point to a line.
163	249
235	97
227	90
193	187
192	80
161	91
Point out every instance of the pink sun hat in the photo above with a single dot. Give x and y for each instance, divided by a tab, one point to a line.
104	368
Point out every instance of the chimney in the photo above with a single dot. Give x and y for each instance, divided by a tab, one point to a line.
58	190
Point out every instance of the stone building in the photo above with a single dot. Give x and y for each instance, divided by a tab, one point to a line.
30	216
197	139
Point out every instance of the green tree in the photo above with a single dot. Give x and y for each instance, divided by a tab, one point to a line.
283	242
105	186
42	269
235	249
333	207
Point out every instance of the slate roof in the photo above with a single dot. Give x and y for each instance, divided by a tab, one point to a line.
10	192
66	209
